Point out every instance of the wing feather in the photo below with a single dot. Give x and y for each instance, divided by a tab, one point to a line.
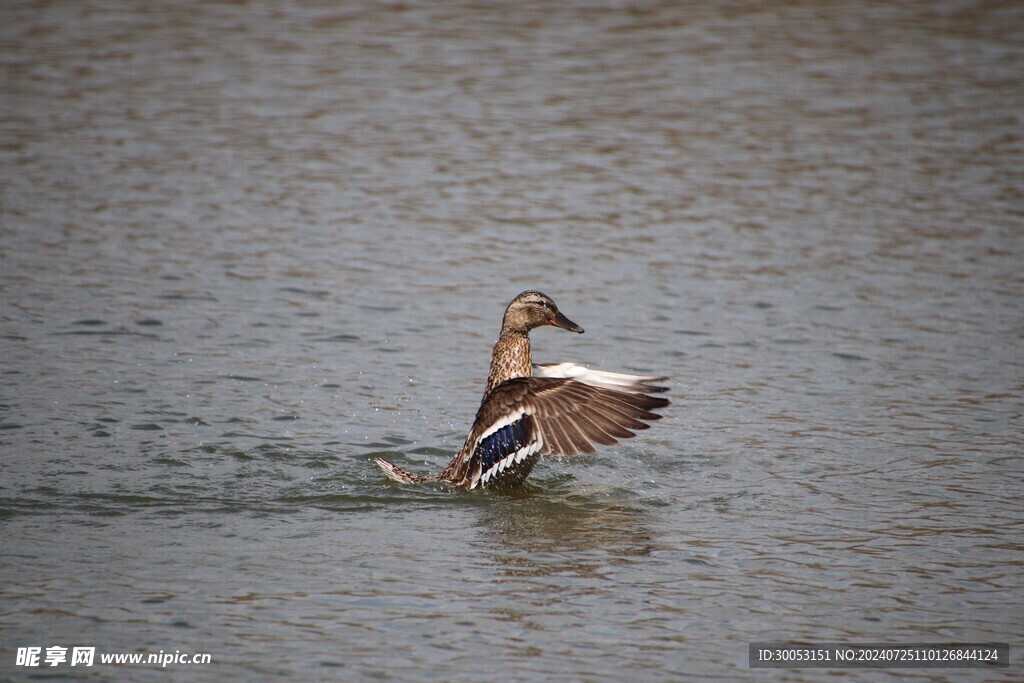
525	417
637	384
577	436
604	432
573	416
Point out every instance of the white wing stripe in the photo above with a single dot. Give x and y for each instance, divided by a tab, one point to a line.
512	459
503	422
597	378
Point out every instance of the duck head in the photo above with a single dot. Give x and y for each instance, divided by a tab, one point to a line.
534	309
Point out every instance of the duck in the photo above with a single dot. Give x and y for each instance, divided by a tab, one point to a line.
531	410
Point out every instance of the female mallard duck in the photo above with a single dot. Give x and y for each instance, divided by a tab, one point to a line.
532	410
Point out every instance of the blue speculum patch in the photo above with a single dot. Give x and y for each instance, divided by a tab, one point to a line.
501	444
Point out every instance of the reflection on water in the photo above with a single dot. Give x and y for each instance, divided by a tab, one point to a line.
246	248
538	536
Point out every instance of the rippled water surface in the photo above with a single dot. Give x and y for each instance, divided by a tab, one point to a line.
246	248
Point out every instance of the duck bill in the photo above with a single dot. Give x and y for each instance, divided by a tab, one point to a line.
566	324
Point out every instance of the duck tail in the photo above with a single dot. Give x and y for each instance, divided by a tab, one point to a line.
396	473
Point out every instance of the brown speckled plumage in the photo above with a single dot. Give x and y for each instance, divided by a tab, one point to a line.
510	358
563	412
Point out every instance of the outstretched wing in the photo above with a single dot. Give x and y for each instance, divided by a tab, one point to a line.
634	384
508	449
502	447
572	417
529	416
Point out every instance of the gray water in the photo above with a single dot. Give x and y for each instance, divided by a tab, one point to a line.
246	248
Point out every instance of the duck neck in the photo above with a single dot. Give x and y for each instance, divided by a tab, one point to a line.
511	358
